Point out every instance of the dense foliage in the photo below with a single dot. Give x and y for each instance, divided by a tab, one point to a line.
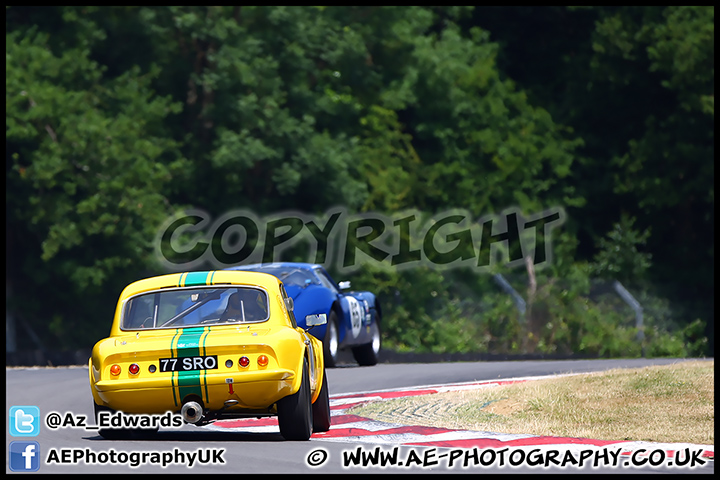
119	117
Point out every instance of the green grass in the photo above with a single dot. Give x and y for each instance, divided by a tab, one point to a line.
671	403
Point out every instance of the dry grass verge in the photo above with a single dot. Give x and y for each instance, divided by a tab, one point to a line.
671	403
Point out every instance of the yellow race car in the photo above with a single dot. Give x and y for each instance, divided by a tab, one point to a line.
209	346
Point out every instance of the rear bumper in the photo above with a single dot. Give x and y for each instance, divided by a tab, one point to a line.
251	390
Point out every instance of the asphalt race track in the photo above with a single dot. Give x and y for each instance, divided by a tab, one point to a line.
66	390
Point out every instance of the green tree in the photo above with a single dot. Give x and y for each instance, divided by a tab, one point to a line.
118	117
619	258
637	85
88	160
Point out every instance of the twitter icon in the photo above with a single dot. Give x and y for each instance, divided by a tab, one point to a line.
24	421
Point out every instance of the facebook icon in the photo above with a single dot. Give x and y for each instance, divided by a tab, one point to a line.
24	456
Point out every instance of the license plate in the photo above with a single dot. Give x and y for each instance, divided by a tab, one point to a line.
188	364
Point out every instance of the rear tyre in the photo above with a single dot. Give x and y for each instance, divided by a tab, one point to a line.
295	415
321	408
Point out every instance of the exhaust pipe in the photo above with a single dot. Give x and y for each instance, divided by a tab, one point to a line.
191	412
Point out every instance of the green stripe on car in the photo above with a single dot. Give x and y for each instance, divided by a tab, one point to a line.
197	278
188	345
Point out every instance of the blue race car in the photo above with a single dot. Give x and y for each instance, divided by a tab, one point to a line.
353	318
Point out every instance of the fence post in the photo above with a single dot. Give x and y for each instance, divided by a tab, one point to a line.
635	305
507	288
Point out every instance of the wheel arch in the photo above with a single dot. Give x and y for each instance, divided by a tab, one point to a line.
316	366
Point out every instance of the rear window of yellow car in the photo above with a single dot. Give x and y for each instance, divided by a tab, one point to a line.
183	307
